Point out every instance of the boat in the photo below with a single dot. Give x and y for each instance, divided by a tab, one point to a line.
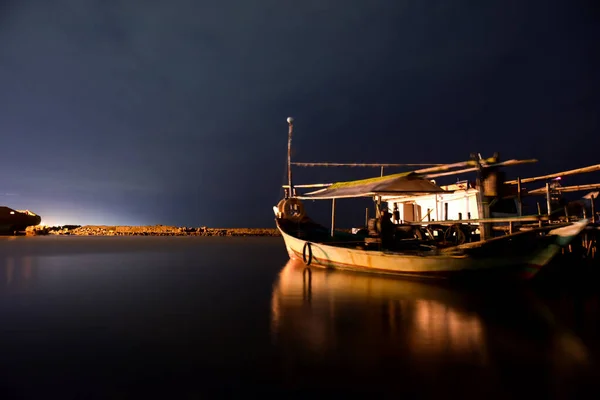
409	249
518	256
15	221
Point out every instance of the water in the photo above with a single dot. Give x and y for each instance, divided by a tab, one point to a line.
190	317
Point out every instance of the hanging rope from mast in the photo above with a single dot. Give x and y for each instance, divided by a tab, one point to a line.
374	165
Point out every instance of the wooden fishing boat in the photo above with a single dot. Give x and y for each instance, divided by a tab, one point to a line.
520	255
406	249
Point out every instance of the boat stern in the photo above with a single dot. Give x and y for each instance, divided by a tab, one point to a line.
562	237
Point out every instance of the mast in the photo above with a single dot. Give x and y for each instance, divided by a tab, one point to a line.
483	198
290	121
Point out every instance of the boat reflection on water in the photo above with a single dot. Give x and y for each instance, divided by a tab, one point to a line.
341	328
320	305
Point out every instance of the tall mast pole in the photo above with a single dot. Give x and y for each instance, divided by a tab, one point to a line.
290	121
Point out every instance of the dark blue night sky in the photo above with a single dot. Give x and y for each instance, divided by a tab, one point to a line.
174	112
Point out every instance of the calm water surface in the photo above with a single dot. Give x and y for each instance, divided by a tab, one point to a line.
186	317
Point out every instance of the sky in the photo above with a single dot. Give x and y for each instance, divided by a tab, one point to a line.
139	112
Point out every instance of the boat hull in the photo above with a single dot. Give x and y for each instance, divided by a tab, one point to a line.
12	221
434	264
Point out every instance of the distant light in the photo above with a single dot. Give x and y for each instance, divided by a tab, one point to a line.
557	179
50	223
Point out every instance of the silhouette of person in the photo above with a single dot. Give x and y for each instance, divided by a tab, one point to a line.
387	229
396	214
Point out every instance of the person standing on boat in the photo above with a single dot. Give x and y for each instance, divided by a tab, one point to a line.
387	228
396	214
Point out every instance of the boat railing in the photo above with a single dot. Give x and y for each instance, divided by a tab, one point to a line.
529	218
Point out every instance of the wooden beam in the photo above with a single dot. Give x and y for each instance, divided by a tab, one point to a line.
461	171
375	165
548	201
446	167
332	217
519	197
593	210
441	171
310	185
591	168
483	208
575	188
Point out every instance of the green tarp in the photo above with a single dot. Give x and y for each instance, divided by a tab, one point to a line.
406	183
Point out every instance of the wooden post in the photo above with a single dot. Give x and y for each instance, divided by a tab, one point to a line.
290	121
367	216
593	199
548	199
382	170
483	207
519	199
445	211
332	216
566	214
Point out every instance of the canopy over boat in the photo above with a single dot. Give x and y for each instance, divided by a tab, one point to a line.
405	183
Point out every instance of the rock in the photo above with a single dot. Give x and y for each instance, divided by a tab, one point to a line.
160	230
36	230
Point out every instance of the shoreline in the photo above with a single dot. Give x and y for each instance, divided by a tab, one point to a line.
150	230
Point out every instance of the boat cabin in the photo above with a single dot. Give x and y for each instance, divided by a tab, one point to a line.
457	202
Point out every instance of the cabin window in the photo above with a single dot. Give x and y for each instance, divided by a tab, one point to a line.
12	212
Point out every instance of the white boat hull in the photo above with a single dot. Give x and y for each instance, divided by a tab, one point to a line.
434	264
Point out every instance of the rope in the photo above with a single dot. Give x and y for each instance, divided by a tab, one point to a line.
374	165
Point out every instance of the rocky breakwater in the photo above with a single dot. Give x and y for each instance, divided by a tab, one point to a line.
157	230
